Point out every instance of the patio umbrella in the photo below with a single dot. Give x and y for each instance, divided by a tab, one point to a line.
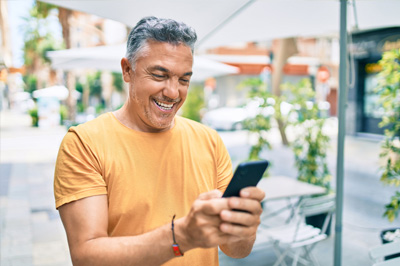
229	21
109	58
59	92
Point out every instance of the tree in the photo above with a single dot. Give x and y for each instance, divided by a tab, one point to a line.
261	123
63	16
296	107
194	103
311	142
38	39
285	48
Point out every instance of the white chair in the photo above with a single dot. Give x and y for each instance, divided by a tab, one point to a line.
296	239
377	254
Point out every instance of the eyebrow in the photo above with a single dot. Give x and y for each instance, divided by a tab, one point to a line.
163	69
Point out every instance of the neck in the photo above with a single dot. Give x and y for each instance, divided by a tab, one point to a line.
124	115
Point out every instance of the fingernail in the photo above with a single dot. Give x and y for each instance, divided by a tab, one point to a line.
245	193
227	214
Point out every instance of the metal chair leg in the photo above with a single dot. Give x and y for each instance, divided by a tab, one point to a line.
281	259
296	258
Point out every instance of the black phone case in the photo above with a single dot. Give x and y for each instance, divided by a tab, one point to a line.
247	174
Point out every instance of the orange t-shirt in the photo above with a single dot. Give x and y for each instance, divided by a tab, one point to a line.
148	177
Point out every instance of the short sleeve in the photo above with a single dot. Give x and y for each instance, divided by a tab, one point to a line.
77	172
224	165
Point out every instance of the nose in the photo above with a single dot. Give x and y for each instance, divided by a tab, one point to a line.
171	89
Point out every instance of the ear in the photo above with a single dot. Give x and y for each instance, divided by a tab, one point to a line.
126	69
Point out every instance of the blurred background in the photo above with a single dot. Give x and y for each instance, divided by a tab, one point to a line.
266	77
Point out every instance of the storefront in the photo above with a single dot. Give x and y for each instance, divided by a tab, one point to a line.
366	48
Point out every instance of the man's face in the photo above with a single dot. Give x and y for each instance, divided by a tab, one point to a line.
158	85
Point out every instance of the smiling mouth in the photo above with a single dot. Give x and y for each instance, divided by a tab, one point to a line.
164	106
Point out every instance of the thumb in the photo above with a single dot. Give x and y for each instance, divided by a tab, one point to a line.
210	195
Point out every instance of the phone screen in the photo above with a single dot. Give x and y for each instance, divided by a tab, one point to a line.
247	174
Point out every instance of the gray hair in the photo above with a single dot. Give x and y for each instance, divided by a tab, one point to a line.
160	30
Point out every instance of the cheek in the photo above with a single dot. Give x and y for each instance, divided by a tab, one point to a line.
184	92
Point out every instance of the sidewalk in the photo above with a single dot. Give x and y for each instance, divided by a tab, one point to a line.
31	232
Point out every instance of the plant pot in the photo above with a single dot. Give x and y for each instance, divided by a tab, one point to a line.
384	241
318	222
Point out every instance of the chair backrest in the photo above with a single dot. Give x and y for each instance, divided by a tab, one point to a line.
314	206
391	262
317	205
381	251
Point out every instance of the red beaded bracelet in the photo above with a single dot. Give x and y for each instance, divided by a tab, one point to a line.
175	246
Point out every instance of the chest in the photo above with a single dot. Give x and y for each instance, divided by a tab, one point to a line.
150	181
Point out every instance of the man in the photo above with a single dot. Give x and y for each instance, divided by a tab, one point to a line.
121	178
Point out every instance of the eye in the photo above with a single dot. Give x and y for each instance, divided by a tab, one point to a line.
158	76
184	80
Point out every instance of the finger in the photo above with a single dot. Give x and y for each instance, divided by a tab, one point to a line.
253	193
210	195
240	218
249	205
238	230
206	232
214	206
205	222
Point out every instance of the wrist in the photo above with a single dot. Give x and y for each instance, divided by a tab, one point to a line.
181	236
175	246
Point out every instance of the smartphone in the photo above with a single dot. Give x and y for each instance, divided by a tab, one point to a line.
247	174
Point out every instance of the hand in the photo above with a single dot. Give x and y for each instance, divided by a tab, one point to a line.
201	227
243	224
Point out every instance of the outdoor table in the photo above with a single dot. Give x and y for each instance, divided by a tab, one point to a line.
280	187
283	187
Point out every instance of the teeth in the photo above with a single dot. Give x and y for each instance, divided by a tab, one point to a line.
163	105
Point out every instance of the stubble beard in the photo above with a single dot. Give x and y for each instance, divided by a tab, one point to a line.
153	120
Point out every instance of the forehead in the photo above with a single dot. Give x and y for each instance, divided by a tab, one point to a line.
174	57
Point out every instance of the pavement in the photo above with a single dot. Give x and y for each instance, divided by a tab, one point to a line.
31	232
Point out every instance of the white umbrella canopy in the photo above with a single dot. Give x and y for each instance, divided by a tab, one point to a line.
109	58
204	68
59	92
230	21
99	58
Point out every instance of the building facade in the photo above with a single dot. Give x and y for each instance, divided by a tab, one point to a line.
365	50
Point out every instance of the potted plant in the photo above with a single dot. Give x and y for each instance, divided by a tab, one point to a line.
260	123
389	92
269	111
310	142
63	114
34	116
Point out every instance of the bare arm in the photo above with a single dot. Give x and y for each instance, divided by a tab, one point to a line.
86	223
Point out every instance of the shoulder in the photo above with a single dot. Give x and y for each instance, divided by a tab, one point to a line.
93	131
198	133
195	127
98	125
